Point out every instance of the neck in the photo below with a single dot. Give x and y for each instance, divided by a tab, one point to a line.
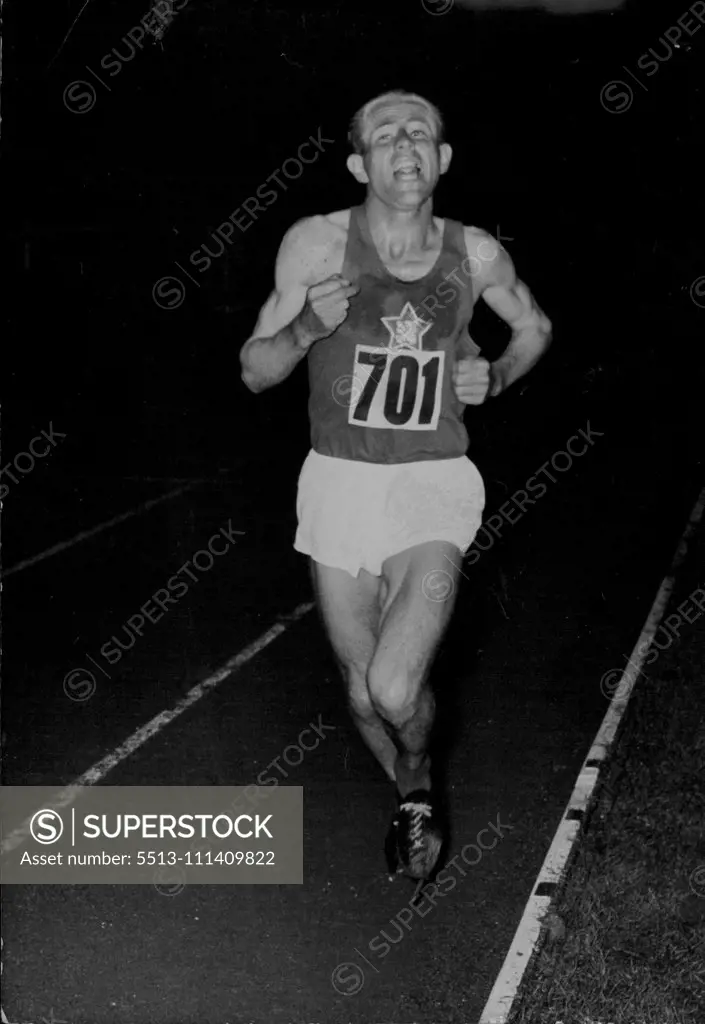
399	230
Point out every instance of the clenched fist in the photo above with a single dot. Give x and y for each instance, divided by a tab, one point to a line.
327	306
472	379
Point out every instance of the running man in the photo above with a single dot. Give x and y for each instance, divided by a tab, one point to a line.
379	298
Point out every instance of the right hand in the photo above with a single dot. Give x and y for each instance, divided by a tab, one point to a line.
328	300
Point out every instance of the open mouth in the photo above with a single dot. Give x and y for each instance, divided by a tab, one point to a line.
408	170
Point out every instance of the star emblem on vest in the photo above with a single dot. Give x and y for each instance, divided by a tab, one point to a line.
405	330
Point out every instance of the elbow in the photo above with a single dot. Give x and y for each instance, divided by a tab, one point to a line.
246	375
255	383
249	381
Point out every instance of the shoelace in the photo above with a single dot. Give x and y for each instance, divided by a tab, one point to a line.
418	813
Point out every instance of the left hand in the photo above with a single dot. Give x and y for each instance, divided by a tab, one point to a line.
471	380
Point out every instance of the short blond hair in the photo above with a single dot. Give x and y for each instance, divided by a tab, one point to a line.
357	125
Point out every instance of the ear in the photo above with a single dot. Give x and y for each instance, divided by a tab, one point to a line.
356	166
445	154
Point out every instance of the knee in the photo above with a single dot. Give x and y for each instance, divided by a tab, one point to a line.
359	699
360	703
393	696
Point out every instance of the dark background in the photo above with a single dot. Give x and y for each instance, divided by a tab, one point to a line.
604	212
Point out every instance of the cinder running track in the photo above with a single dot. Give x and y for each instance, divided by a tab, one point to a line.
540	617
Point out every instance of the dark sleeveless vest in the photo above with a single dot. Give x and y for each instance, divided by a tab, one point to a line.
380	385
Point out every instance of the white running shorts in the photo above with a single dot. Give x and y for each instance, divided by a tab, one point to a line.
354	515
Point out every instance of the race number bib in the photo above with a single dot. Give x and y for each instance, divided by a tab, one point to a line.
396	390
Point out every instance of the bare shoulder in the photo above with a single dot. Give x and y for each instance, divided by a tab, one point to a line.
492	263
480	244
314	247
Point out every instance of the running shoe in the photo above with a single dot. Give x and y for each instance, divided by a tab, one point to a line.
416	836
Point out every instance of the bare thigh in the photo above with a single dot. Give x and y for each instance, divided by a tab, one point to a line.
351	611
420	587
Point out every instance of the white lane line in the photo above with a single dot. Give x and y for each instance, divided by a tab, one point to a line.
526	938
84	534
99	770
218	478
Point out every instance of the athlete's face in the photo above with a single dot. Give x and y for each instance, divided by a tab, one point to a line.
402	160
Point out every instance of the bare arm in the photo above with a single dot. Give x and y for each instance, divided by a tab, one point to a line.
281	337
513	302
308	304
